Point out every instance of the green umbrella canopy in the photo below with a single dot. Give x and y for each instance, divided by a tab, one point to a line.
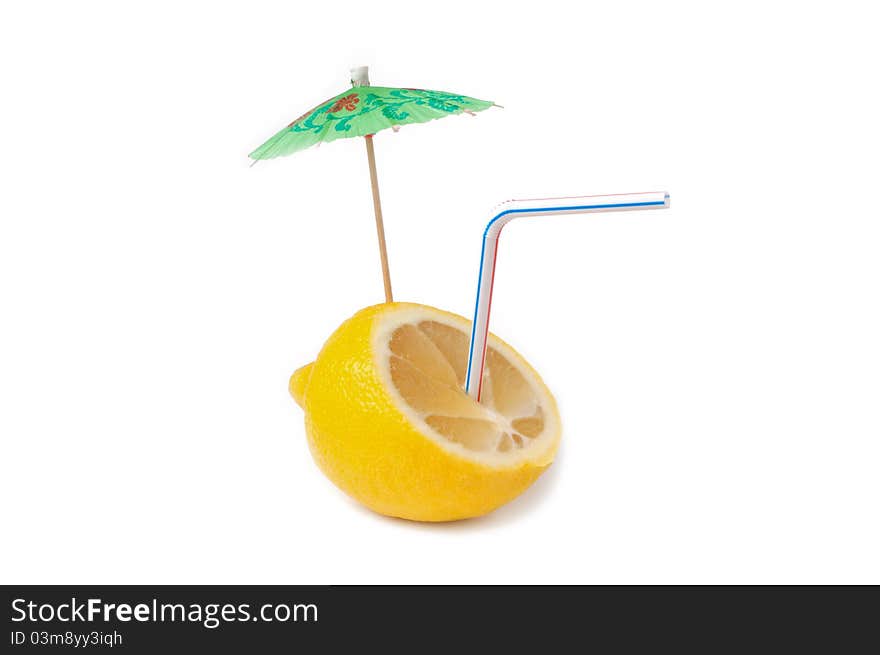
365	110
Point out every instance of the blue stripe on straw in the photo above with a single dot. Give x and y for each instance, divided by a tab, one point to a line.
483	252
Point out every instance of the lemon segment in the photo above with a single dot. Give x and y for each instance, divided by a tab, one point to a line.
389	423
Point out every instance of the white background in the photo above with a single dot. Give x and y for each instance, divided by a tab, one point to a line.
717	364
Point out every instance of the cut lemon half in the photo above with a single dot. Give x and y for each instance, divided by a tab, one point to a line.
389	422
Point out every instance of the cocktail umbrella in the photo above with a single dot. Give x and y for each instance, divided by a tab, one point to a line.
362	111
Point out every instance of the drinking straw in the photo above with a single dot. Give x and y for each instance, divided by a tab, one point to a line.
501	216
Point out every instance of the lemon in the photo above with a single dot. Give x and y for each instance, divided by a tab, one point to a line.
388	420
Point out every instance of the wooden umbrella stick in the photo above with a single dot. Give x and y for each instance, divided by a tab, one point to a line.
380	226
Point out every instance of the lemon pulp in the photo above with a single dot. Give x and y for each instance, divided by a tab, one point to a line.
427	361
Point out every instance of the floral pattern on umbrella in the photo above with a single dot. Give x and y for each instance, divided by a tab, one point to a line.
365	110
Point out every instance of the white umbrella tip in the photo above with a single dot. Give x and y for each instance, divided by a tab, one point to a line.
360	76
